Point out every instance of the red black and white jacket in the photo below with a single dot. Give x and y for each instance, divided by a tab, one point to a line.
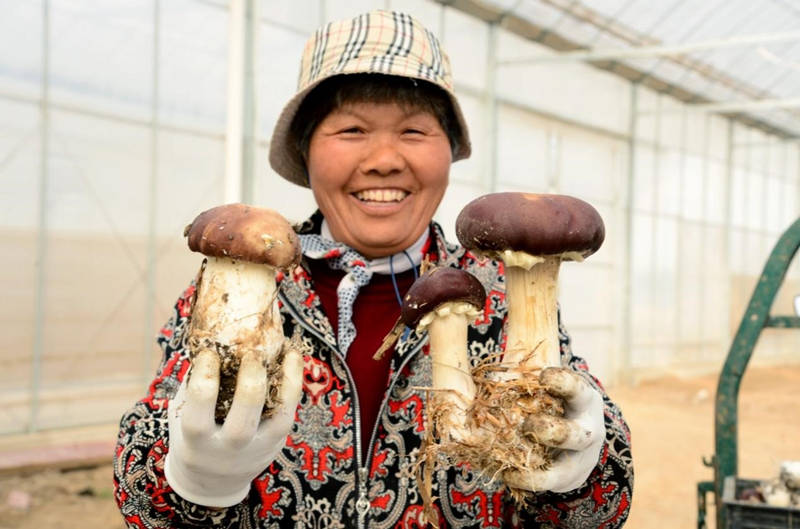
318	480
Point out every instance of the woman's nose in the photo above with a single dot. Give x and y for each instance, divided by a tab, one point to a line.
383	157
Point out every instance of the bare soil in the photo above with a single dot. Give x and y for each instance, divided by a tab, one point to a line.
671	420
81	498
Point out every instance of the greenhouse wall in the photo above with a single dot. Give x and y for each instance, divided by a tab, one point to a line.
112	138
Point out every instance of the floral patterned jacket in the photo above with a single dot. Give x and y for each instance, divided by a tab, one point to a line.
319	480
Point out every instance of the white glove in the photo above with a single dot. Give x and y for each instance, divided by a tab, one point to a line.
580	434
213	465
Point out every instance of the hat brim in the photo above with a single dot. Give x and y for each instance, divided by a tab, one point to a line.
287	160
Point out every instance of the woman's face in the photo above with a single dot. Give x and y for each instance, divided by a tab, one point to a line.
378	173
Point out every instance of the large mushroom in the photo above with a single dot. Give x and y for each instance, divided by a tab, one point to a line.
235	320
444	301
532	234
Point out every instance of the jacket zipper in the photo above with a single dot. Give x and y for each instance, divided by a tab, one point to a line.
362	471
408	356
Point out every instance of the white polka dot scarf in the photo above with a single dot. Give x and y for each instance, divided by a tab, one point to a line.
358	270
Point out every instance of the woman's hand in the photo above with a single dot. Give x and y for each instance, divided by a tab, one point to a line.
211	464
580	434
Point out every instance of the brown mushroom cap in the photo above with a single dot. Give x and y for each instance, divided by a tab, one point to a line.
536	224
438	286
246	233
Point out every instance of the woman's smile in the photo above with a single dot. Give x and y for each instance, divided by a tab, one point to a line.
381	196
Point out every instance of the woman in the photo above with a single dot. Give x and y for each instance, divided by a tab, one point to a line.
372	131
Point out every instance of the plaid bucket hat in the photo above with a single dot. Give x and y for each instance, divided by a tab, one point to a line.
381	42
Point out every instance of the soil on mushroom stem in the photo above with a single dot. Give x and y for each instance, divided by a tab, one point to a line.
671	420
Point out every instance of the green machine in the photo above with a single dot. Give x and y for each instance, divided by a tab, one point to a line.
724	461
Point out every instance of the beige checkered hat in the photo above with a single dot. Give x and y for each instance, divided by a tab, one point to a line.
381	42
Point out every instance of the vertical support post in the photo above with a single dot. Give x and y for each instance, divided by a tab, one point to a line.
42	227
233	133
152	210
622	371
491	109
784	178
657	166
796	213
250	101
680	220
553	162
746	199
729	169
728	224
705	226
765	176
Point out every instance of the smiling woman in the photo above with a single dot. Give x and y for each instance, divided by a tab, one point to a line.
372	130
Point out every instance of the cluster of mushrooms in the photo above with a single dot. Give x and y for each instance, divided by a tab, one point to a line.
482	415
494	415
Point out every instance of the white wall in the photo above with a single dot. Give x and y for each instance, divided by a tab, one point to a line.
698	239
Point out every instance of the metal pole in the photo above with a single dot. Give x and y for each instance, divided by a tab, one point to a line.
704	234
150	300
797	213
233	135
765	177
623	369
728	225
41	237
726	260
553	162
745	205
250	101
679	338
491	108
784	178
656	217
646	52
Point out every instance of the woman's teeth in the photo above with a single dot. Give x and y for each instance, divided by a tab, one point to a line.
381	195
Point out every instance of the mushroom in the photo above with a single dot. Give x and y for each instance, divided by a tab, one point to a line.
444	301
532	234
235	320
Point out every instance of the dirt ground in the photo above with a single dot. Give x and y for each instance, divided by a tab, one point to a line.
670	419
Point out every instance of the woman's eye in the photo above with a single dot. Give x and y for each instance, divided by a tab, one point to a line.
350	130
413	131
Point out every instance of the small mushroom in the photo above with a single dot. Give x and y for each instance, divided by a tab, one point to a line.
235	318
532	234
444	301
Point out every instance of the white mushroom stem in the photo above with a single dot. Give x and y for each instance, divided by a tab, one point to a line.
532	297
452	374
236	307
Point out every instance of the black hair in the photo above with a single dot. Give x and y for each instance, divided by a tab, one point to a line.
338	91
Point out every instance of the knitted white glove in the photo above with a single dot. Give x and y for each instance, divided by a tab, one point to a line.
580	434
213	465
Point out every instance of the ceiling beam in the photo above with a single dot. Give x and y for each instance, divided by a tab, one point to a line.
527	29
745	106
644	52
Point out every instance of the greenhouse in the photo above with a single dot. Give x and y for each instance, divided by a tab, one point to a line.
121	121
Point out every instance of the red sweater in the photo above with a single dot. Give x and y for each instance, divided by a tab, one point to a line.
375	312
